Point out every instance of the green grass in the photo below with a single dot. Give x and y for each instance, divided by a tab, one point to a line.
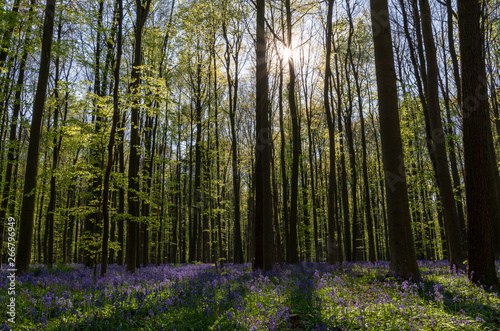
309	296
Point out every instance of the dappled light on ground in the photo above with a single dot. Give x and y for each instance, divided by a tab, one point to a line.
306	296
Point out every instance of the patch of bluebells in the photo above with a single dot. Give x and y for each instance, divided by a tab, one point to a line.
305	296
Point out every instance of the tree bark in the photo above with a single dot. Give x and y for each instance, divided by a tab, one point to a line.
55	161
292	256
452	225
121	192
333	246
284	177
475	119
403	261
116	114
142	10
368	211
29	192
264	250
13	141
233	102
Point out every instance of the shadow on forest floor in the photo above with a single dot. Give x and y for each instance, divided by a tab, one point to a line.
192	304
453	303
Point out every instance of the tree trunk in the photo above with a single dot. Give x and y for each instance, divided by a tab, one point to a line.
344	198
116	114
314	175
453	236
198	193
121	193
284	177
457	185
233	102
333	246
403	261
292	256
480	260
27	213
142	10
13	141
368	215
263	197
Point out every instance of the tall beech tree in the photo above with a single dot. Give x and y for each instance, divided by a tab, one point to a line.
49	225
142	11
357	240
402	250
264	235
292	254
29	193
480	258
344	194
233	52
438	143
96	152
333	241
366	184
116	115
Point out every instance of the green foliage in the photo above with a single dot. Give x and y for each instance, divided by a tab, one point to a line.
307	297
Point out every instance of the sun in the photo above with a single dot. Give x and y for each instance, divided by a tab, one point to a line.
287	53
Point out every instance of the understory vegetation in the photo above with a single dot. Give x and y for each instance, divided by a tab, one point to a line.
306	296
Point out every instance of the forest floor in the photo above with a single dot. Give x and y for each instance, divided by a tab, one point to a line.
307	296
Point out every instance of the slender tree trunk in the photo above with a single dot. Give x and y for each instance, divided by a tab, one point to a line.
13	141
182	252
333	246
284	177
159	237
116	114
457	185
368	215
263	197
191	230
453	235
233	102
368	205
55	159
342	167
70	217
94	217
198	193
357	240
453	52
41	201
206	180
218	250
314	175
27	214
276	223
142	10
150	146
121	193
292	256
